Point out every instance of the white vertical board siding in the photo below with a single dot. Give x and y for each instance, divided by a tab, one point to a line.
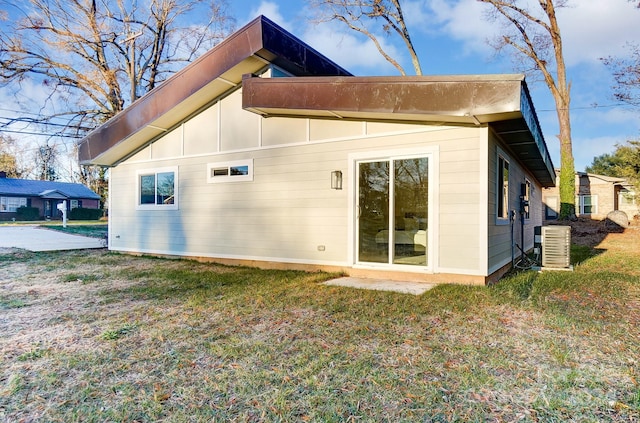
289	212
323	129
279	131
500	241
169	145
201	132
238	128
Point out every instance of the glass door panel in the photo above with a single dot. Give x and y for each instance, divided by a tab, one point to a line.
373	212
410	201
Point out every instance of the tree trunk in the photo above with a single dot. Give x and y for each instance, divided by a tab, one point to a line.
567	166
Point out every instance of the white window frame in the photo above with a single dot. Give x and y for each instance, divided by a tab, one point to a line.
7	206
229	176
500	188
593	205
155	172
527	197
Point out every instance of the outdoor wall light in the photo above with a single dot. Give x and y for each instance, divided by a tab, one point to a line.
336	179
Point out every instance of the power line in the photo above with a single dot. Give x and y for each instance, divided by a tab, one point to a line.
44	134
593	106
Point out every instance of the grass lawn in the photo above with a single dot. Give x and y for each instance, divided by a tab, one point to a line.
95	336
86	228
91	228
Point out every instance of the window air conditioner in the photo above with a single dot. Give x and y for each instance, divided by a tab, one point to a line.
555	242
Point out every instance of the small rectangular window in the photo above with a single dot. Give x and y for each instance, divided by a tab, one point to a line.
502	189
239	170
236	171
527	198
587	204
157	189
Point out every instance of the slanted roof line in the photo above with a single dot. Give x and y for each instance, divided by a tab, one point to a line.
259	42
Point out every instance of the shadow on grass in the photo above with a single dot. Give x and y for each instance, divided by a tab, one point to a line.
596	290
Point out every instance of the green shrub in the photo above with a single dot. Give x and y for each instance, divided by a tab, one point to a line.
28	213
81	213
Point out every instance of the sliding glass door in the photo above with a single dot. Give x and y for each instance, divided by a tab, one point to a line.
392	223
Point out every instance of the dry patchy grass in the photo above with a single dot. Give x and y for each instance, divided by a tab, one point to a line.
95	336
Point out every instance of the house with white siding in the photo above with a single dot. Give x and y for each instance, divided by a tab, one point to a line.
263	152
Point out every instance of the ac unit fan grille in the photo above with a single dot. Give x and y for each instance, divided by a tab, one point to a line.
556	246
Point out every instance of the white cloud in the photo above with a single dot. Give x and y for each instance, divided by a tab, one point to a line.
416	15
356	54
271	10
617	116
591	29
462	20
350	50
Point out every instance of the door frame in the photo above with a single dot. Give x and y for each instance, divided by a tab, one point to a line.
432	152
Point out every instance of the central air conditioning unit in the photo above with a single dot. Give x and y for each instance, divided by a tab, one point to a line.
555	243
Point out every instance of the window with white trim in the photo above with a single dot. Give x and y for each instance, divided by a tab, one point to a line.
157	189
587	204
11	204
236	171
502	189
527	197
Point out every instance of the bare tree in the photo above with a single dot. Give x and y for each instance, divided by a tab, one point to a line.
626	72
46	158
363	15
91	52
534	36
10	156
93	57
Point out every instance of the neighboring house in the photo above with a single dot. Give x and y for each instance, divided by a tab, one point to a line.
596	196
264	152
44	195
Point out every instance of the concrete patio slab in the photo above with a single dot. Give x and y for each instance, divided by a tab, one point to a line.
34	238
415	288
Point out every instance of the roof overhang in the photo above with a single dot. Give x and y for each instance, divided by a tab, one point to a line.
501	102
53	194
258	44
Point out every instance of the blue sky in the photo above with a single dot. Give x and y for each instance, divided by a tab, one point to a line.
451	38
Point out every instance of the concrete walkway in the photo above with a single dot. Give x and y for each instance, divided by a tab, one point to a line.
415	288
34	238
